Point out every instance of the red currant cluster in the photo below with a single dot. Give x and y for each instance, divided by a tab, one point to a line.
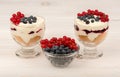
16	18
66	41
103	16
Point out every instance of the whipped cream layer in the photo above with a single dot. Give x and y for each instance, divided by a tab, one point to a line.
28	31
90	27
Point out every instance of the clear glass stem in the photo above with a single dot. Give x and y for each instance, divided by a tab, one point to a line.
91	52
27	52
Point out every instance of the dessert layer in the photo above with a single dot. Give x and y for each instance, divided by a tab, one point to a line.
30	43
92	26
97	40
28	31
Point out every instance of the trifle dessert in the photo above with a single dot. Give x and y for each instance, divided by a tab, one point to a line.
60	51
91	28
27	31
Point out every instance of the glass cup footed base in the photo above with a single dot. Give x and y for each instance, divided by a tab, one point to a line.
27	52
90	52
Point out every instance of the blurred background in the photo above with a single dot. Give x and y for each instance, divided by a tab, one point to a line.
59	16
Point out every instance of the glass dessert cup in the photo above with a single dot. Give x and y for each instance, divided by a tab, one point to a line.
91	28
60	51
27	34
61	60
28	49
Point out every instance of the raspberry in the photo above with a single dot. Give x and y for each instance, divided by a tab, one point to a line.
83	13
16	18
14	15
22	15
43	42
79	14
50	45
96	11
43	46
18	13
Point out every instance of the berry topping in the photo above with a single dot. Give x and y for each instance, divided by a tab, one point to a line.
38	30
64	45
76	27
31	32
15	19
14	29
92	21
29	20
95	15
87	22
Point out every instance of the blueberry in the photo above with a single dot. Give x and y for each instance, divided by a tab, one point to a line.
87	22
31	17
25	18
66	48
34	18
62	46
84	18
63	51
25	22
92	21
47	49
30	21
68	51
97	19
80	17
52	50
55	47
89	17
58	52
72	51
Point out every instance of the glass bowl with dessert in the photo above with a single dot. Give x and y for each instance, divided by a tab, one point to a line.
91	28
27	31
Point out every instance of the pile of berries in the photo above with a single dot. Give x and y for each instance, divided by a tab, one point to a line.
29	19
86	16
16	18
20	17
64	45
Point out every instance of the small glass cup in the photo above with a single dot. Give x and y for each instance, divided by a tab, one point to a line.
90	40
61	60
28	38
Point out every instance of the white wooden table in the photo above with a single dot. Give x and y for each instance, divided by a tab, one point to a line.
59	15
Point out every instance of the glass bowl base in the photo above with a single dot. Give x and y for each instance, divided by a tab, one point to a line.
85	55
27	53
